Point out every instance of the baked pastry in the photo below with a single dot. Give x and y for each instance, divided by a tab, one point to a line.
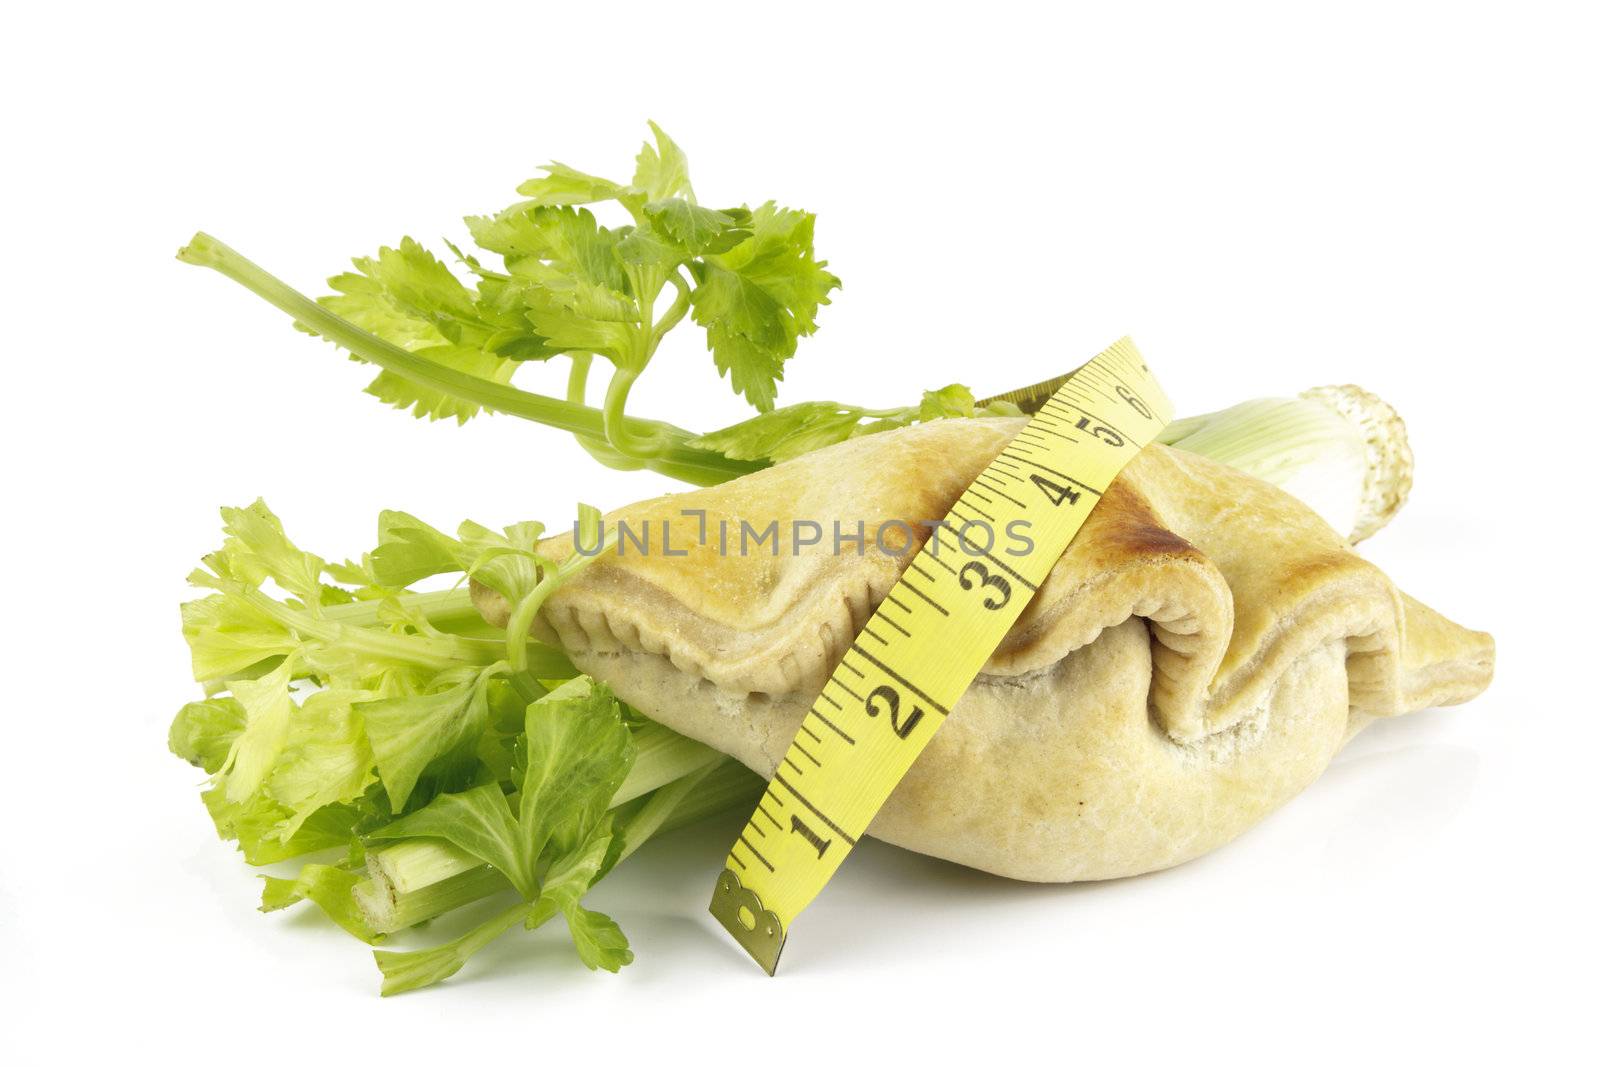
1195	659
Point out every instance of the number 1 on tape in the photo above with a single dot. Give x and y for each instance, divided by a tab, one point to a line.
927	641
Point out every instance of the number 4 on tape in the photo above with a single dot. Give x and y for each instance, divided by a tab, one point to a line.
927	641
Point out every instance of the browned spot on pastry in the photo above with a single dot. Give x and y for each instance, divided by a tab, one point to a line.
1152	540
1126	521
1322	567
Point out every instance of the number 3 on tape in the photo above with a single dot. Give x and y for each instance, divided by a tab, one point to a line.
927	641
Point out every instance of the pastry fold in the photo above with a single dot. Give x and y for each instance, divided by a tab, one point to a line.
1197	656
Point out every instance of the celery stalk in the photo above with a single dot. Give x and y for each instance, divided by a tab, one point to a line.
1340	449
408	868
407	885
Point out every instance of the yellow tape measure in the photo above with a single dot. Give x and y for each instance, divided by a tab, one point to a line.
927	641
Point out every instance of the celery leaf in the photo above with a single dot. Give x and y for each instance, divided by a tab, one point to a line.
477	821
661	170
409	733
204	731
405	971
326	759
757	300
327	886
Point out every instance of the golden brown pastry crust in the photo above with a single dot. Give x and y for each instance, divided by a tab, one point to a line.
1196	657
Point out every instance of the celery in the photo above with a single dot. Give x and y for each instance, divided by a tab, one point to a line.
415	881
1340	449
662	757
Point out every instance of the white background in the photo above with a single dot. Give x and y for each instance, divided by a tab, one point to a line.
1266	198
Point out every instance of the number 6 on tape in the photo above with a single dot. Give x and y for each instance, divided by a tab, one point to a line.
926	642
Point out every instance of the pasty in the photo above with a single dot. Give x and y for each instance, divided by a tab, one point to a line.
1195	659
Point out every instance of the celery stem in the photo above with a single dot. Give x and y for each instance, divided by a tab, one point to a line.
414	881
679	459
617	431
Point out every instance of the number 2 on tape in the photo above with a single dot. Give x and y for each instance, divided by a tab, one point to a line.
926	642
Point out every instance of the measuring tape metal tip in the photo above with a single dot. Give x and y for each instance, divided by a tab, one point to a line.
881	707
740	911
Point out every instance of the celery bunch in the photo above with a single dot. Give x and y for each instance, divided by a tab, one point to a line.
432	760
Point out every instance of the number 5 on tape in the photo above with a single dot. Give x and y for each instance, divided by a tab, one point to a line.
926	642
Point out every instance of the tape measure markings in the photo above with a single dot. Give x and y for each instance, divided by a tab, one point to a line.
947	616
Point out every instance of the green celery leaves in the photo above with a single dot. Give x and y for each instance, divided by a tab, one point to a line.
757	299
330	887
661	170
565	284
575	752
204	731
345	708
405	971
325	760
410	733
479	822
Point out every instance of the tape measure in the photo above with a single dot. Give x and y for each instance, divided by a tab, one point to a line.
926	642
